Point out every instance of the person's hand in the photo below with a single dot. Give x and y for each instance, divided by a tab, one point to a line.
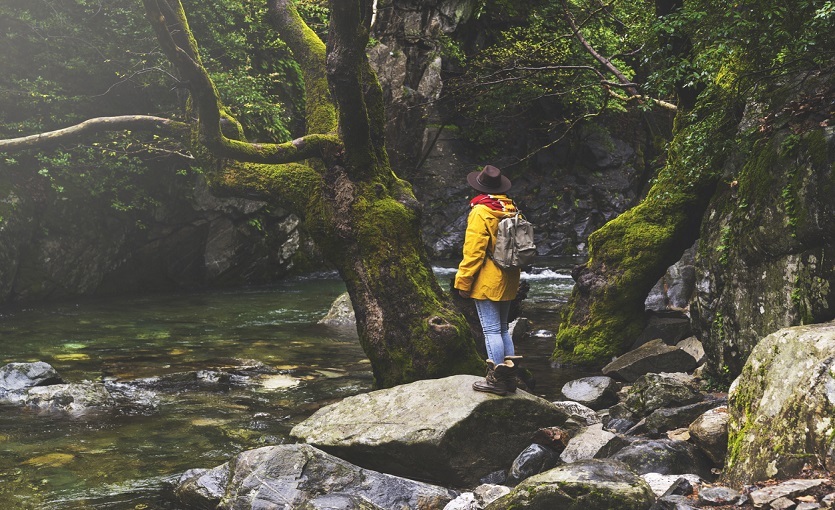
464	294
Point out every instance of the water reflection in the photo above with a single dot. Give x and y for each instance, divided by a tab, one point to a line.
232	370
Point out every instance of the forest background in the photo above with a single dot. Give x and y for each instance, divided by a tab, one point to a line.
719	115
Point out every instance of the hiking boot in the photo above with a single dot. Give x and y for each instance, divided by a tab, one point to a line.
524	378
513	382
491	384
506	374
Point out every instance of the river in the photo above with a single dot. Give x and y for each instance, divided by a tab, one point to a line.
178	343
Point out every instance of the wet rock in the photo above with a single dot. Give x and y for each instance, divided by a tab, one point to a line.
578	412
533	460
19	376
653	357
587	485
300	476
203	488
519	329
666	457
654	391
495	478
665	419
675	289
719	495
341	312
76	399
787	489
592	442
786	388
710	433
595	392
435	429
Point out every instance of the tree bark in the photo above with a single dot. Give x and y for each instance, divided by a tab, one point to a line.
365	220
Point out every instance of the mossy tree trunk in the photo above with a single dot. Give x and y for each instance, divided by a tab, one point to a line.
629	254
338	179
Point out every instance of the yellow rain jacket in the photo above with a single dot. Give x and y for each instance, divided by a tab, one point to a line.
477	273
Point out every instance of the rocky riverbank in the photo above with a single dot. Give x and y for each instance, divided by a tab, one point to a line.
646	433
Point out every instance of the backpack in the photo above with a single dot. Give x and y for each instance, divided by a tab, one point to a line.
514	243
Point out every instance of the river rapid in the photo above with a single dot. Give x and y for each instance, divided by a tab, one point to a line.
177	344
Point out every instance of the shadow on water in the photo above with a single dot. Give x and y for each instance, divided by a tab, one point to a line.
231	370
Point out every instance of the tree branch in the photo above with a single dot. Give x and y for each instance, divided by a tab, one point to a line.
97	125
168	20
309	52
597	56
347	39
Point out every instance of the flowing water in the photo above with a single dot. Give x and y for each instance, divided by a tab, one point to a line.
283	366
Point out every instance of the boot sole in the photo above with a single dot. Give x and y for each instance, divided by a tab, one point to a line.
486	389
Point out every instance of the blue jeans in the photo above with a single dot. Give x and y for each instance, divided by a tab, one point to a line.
493	317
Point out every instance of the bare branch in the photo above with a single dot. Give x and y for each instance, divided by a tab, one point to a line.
597	56
97	125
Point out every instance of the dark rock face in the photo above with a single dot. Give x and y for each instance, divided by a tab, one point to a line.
764	242
54	247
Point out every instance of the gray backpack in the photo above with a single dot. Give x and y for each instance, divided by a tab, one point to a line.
514	243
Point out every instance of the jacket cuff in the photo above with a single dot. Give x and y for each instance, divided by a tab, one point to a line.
464	283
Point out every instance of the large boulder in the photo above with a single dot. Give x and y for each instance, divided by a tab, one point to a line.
586	485
782	406
766	243
438	429
300	476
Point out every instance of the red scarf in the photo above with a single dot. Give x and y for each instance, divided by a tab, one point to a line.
495	202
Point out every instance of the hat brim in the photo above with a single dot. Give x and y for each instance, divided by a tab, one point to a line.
472	179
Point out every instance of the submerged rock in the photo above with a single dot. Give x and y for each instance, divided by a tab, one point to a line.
301	476
438	429
586	485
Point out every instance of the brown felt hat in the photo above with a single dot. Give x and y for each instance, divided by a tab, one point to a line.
489	180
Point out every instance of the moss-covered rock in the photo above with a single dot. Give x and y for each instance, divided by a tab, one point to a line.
782	406
584	485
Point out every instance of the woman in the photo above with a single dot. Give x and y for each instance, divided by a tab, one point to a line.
492	287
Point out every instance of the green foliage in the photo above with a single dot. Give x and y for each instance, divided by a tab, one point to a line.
65	62
737	46
534	73
316	14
